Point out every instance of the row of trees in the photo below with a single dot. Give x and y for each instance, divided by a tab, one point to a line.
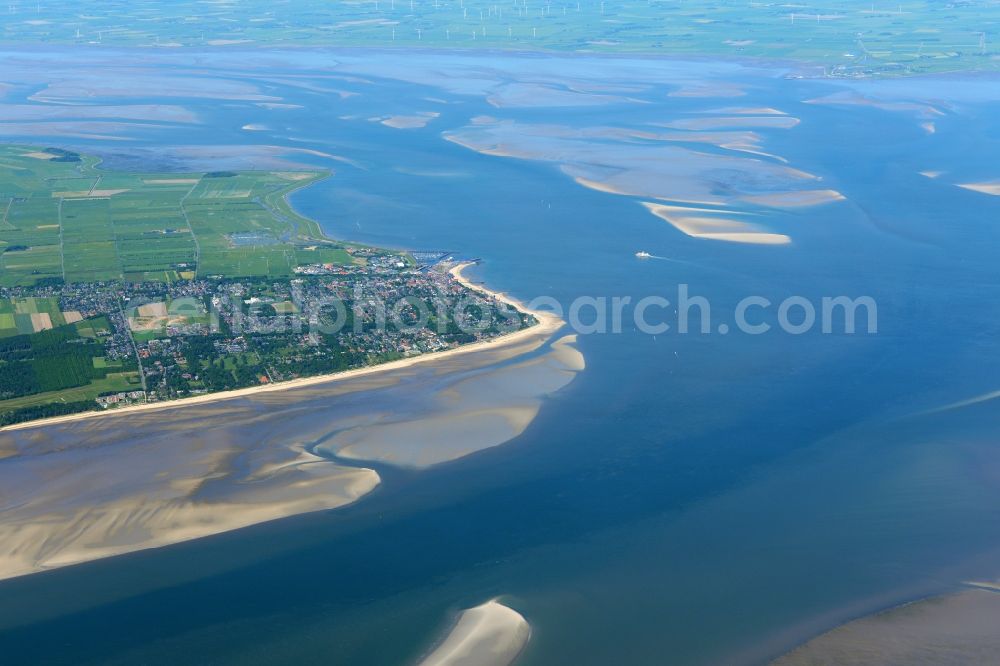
47	361
45	411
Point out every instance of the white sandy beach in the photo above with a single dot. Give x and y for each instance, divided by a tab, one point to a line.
488	635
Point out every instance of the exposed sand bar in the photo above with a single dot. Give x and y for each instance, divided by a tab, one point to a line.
488	635
992	188
771	121
707	224
746	111
71	506
953	629
851	98
146	112
795	199
547	324
409	122
480	411
642	163
709	90
532	95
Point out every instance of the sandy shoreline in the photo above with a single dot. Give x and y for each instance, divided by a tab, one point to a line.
547	323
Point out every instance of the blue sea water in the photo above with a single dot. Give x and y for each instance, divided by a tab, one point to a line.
688	498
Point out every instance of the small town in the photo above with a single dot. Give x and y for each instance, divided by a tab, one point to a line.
153	342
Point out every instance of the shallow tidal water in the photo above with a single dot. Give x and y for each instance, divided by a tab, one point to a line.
686	498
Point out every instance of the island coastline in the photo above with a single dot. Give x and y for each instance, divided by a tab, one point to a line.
547	323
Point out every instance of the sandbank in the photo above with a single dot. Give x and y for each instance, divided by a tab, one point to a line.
487	408
753	237
707	224
532	95
719	122
959	628
82	504
747	111
643	163
991	188
796	199
852	98
488	635
744	141
146	112
409	122
708	90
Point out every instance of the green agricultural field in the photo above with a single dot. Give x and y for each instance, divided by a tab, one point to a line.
65	219
845	36
93	328
24	316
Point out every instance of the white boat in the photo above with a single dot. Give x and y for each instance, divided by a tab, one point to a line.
643	255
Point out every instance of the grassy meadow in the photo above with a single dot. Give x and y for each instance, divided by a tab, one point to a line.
67	220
